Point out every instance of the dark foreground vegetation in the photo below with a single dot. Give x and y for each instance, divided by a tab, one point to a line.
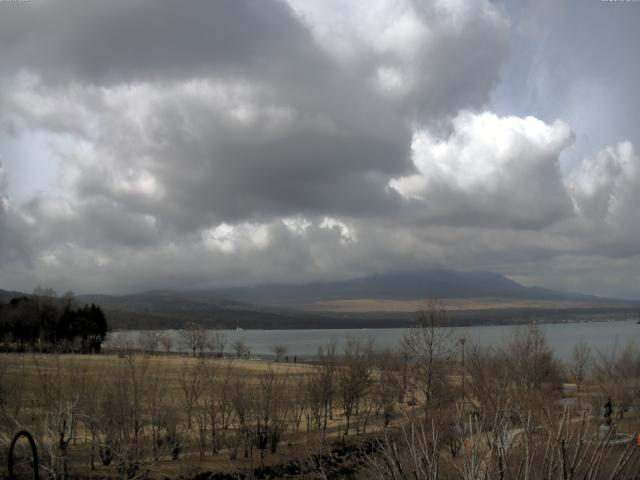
43	322
436	407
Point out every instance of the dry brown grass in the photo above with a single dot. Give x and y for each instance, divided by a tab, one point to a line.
28	375
29	368
33	376
364	305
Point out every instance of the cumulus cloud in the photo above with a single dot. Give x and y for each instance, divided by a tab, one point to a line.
606	192
103	43
491	171
416	53
605	187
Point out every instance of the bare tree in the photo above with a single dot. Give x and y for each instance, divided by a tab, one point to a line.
201	405
270	412
431	342
122	411
190	381
354	380
328	361
159	414
217	401
314	397
280	351
217	343
167	342
91	391
194	338
491	378
298	402
240	348
579	363
530	359
59	413
60	423
149	341
244	404
388	383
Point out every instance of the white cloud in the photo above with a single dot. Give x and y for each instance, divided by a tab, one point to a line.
234	238
605	188
346	234
491	171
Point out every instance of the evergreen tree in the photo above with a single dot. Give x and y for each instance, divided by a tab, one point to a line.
47	320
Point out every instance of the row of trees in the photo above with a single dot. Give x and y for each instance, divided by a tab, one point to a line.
46	322
520	420
524	415
141	411
137	413
193	339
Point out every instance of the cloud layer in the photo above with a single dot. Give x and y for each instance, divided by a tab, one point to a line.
236	142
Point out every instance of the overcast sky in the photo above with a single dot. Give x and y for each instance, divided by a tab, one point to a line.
180	144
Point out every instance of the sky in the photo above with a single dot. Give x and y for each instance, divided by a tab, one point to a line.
165	144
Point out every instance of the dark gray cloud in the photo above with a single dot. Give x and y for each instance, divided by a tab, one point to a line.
245	115
232	109
102	43
14	240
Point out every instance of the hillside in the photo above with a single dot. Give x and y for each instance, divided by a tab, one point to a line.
397	286
388	300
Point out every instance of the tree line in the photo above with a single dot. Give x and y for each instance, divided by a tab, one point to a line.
45	322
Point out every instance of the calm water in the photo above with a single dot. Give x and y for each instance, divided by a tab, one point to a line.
562	337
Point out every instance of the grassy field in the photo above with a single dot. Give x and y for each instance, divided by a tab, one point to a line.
32	370
174	416
38	387
368	305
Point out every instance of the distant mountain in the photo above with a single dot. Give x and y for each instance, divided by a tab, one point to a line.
6	295
396	286
287	306
168	309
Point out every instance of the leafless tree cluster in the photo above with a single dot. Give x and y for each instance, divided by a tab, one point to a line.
616	377
564	446
193	338
514	424
143	411
522	372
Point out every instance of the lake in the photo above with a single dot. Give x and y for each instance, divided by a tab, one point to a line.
562	337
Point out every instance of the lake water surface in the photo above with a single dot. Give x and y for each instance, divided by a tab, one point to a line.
562	337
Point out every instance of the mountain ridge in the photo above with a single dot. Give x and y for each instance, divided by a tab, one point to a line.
313	305
414	285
